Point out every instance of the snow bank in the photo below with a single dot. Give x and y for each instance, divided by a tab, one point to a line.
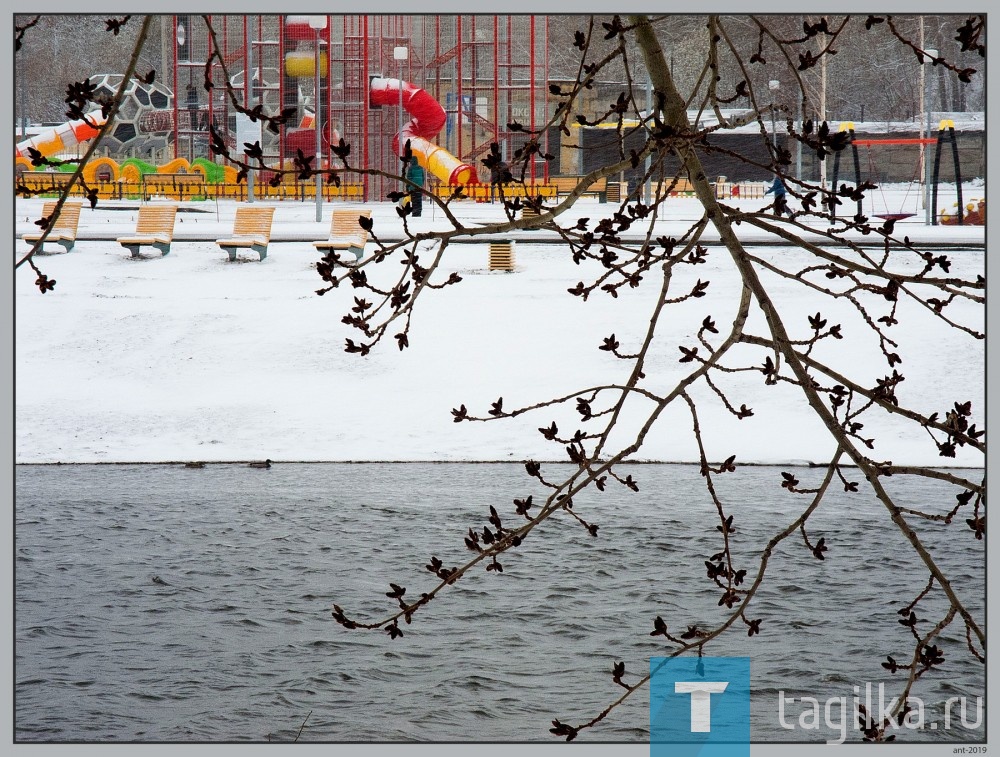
192	357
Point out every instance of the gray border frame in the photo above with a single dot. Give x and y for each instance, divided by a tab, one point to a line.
444	750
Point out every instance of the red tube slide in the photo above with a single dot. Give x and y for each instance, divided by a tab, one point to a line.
428	118
63	137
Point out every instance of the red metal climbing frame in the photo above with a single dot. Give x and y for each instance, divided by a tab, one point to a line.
486	71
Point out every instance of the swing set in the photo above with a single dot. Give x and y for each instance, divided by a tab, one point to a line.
946	133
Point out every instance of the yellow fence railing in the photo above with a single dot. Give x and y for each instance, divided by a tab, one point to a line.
178	187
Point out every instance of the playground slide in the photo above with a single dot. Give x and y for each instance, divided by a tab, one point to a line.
62	137
428	119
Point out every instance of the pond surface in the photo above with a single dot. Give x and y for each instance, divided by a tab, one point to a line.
160	603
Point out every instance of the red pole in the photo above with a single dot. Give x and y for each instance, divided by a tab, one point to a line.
246	63
496	79
437	54
509	83
545	84
365	152
474	83
281	88
531	85
458	76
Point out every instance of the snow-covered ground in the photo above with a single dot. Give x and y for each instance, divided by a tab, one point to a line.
191	357
964	121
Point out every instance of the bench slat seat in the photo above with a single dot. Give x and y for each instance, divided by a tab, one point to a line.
251	231
153	228
346	233
150	239
63	230
243	241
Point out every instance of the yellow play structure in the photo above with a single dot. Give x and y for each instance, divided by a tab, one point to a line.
178	179
974	215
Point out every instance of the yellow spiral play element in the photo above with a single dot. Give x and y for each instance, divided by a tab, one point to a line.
973	215
178	165
97	166
130	173
440	162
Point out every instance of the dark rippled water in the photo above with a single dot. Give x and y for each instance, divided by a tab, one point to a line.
169	604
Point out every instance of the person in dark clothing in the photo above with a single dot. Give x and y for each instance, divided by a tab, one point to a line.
780	197
415	174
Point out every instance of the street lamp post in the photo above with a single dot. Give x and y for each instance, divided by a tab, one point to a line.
248	91
931	54
773	86
317	24
180	38
401	54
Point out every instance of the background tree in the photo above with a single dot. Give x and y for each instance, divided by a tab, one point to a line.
61	48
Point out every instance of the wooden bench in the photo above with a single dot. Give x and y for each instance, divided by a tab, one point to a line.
501	256
566	184
154	228
346	233
616	190
63	229
251	231
174	185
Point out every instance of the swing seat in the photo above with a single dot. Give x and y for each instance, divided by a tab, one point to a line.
894	216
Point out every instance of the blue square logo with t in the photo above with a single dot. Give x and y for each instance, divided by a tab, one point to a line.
699	707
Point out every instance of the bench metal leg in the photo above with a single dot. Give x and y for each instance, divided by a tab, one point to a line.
163	248
67	244
232	253
262	251
133	249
